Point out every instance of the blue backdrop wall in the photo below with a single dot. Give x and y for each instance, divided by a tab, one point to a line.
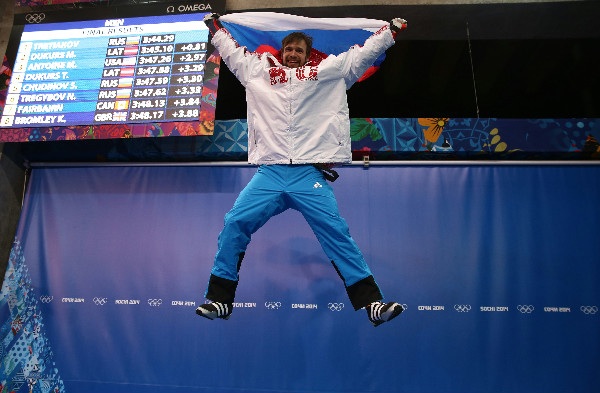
497	266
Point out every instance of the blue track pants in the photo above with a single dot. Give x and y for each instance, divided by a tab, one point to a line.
272	190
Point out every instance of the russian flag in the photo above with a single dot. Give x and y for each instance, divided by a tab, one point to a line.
264	31
125	82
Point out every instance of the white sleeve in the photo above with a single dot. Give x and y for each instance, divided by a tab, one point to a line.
354	62
237	58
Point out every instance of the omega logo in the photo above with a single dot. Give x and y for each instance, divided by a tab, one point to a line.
189	8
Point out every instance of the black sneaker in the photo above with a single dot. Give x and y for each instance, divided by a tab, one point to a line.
379	312
215	310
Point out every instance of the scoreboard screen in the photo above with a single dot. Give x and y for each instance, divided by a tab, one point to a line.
109	71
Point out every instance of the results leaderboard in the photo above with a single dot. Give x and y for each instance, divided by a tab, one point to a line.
131	70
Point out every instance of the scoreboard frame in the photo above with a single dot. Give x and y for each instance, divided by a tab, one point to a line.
169	89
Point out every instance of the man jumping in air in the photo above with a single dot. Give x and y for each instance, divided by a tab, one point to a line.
298	128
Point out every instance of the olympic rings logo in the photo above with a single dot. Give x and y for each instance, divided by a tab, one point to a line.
525	309
35	18
462	307
335	306
273	305
46	299
99	301
589	310
154	302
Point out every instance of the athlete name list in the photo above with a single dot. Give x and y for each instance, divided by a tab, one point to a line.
108	72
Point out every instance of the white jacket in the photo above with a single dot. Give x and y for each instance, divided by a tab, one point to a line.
299	115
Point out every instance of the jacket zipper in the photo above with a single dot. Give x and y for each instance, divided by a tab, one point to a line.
289	122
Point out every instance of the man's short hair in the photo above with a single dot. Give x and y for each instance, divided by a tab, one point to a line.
298	36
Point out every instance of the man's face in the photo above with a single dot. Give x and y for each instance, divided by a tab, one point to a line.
294	54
